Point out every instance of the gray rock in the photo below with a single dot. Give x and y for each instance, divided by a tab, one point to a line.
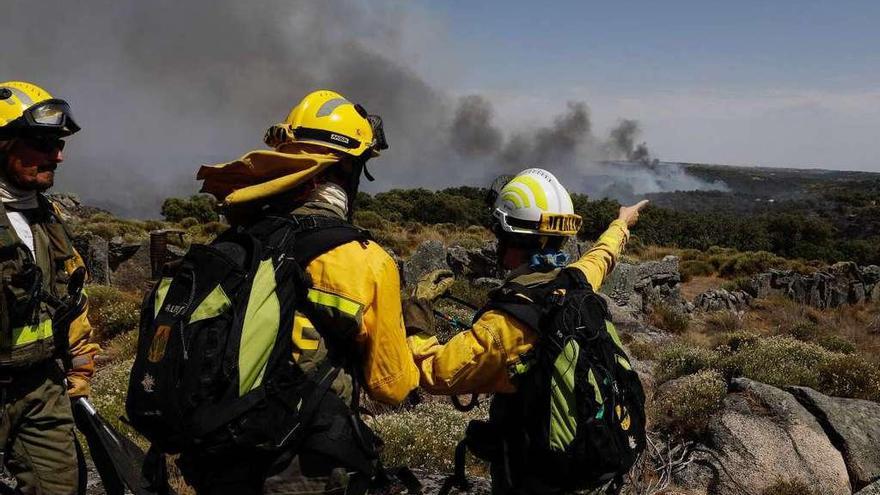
722	300
575	248
854	428
633	288
473	263
429	256
871	274
842	283
764	435
131	266
95	251
872	489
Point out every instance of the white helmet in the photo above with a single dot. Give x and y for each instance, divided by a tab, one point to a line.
534	202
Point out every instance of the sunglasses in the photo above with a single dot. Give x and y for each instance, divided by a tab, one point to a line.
45	144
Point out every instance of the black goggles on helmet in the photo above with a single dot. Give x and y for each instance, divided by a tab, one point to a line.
46	117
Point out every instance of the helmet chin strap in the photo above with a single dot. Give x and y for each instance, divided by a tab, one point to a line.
354	180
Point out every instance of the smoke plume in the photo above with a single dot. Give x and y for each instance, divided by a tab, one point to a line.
161	87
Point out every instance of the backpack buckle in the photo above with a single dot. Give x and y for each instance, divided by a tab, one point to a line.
557	297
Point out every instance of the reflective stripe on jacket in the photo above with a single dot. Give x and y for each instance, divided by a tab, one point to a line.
478	359
358	285
28	342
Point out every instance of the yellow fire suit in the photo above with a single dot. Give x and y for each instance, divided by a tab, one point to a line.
477	359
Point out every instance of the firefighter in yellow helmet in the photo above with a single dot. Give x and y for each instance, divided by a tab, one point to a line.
533	217
353	310
37	325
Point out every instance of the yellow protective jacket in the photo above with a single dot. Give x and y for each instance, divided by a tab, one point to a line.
359	283
82	349
477	360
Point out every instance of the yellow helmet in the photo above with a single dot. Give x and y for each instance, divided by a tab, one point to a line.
327	119
26	108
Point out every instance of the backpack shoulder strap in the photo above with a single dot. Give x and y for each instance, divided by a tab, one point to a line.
530	304
322	234
526	304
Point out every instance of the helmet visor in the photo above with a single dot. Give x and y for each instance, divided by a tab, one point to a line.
51	116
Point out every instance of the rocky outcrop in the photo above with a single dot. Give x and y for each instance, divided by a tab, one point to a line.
474	263
131	265
95	252
71	208
853	426
632	288
872	489
764	435
722	299
429	256
842	283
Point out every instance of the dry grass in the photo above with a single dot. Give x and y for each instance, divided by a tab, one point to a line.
697	285
404	238
669	318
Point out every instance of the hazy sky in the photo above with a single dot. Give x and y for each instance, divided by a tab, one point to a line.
781	83
468	89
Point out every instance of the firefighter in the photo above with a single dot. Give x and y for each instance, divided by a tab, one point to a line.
38	328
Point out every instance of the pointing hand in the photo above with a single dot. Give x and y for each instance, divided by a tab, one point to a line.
630	214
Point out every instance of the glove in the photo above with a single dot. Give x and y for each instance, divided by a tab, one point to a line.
418	310
433	285
77	386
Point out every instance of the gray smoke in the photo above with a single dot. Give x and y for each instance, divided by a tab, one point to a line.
622	142
161	87
473	133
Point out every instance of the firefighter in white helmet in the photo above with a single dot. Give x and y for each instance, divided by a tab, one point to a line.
533	218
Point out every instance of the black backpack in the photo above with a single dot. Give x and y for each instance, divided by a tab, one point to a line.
577	419
213	371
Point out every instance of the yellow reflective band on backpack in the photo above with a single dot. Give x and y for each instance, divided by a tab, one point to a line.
623	362
563	407
215	304
345	306
161	292
29	334
597	394
261	321
609	327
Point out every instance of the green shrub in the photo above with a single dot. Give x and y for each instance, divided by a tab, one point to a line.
112	311
121	347
739	283
423	437
733	341
679	359
669	318
845	375
778	361
188	222
685	406
642	349
109	388
131	229
202	207
750	263
836	343
691	254
723	321
808	331
695	268
368	219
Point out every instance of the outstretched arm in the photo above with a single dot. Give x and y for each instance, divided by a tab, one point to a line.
599	261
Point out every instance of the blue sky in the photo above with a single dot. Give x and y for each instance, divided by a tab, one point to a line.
748	82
